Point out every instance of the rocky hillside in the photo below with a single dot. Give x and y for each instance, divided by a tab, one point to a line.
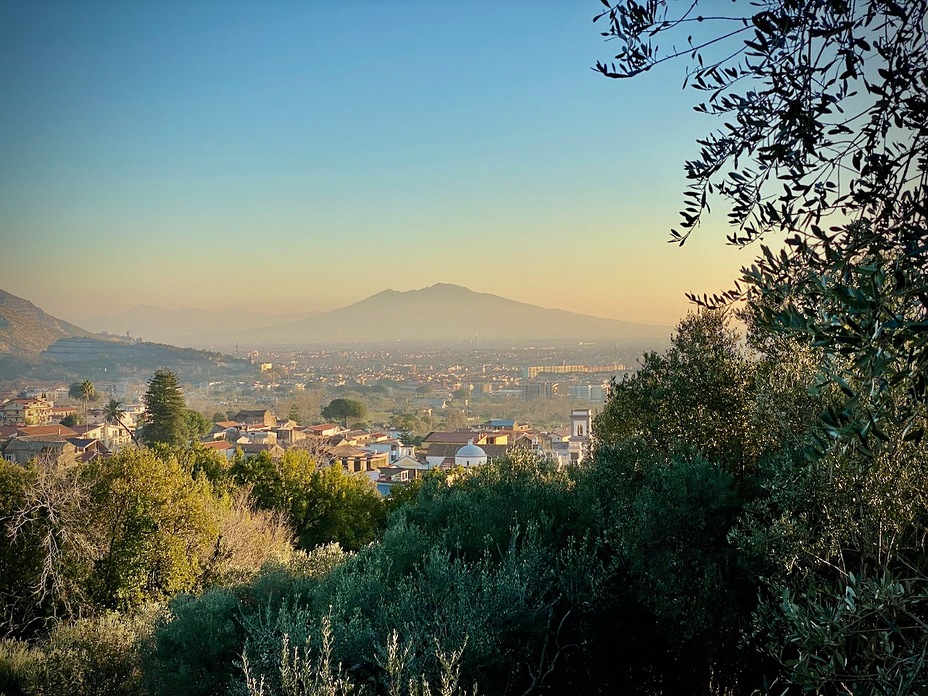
25	330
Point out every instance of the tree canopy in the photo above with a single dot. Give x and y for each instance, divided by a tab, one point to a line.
823	148
344	409
824	144
165	411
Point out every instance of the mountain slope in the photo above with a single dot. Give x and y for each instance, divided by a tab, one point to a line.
450	313
25	330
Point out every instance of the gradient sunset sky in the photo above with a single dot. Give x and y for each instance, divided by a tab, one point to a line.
295	156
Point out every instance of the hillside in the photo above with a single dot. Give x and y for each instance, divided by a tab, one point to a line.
36	345
25	330
445	313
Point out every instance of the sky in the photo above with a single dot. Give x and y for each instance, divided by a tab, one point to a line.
300	156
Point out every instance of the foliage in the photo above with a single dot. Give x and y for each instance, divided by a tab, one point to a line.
343	410
826	144
93	657
196	645
828	87
165	412
19	661
159	527
200	639
324	504
112	413
72	419
696	396
47	544
670	517
834	111
197	424
121	531
248	539
339	507
83	392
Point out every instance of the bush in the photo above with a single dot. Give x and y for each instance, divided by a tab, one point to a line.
94	657
19	661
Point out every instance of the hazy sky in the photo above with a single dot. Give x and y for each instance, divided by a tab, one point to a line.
294	156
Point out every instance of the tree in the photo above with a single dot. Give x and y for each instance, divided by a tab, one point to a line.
696	396
825	144
165	411
340	507
72	419
197	424
112	414
343	409
84	392
157	527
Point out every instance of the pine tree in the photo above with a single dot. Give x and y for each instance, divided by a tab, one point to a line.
164	411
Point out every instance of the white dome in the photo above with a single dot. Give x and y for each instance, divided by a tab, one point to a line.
471	450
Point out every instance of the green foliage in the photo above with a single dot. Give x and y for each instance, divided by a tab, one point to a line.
20	553
199	641
159	527
165	411
197	424
93	657
669	524
343	410
696	396
276	484
338	507
48	540
324	504
19	661
72	419
197	644
830	122
112	413
121	531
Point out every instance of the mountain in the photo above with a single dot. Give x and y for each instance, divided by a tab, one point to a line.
180	325
36	345
446	313
25	330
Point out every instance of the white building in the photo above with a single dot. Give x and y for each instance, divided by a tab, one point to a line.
470	455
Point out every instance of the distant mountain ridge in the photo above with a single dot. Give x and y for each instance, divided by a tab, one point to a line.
174	325
449	313
25	330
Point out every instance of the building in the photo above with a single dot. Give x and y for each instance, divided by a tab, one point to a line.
27	412
21	450
581	423
470	455
256	418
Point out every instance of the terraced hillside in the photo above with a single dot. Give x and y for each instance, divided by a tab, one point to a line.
25	330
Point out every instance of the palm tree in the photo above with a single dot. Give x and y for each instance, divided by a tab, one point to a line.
111	415
83	391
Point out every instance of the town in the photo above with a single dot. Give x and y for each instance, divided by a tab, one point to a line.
415	410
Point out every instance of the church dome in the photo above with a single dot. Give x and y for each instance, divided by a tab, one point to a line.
470	455
471	450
